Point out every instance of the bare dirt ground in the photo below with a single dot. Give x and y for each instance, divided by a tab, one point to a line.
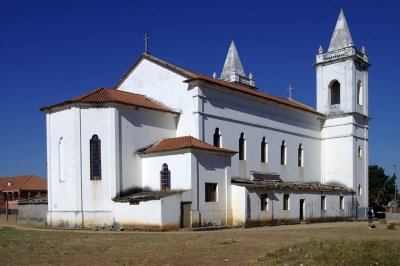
25	244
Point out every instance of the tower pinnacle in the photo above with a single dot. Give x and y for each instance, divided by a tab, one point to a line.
232	63
341	36
233	69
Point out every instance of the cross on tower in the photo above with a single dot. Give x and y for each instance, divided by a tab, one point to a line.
146	43
290	91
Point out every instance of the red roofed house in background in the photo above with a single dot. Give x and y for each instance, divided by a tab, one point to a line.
15	188
168	147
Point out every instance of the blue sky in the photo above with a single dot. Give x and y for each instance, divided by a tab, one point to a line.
51	51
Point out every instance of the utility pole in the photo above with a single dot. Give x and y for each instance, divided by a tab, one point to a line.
395	189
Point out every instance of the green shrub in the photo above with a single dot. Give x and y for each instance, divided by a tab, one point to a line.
336	252
391	226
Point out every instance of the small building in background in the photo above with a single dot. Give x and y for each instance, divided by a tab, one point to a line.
17	188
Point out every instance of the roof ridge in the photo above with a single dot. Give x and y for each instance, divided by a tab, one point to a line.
190	73
108	95
191	141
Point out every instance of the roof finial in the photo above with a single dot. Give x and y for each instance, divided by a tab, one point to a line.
215	75
363	50
341	37
320	50
251	76
146	43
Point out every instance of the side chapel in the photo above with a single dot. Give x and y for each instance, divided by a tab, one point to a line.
170	148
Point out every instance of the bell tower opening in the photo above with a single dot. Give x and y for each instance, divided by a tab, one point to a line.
335	92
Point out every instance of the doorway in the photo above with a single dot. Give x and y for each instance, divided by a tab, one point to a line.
302	209
186	208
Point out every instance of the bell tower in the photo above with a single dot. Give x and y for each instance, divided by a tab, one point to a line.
342	96
342	74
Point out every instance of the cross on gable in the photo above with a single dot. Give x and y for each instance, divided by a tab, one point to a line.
146	43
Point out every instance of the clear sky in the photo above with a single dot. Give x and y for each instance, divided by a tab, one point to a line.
51	51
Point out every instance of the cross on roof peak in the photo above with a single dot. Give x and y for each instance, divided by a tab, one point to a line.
146	43
290	91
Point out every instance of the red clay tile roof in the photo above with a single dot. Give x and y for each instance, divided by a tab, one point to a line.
251	91
191	75
105	95
185	142
24	182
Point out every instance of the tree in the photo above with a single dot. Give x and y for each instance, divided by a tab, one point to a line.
381	186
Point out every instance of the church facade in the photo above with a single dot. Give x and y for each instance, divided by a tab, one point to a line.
170	148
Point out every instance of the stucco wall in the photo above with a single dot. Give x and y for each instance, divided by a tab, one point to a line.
178	164
213	169
155	214
65	177
234	114
247	207
167	88
139	129
33	213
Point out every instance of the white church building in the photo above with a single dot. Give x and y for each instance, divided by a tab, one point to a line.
170	148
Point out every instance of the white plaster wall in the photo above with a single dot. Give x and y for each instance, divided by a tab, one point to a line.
343	73
146	214
238	198
96	194
248	207
171	211
234	114
212	168
163	213
347	73
179	164
64	192
64	218
167	88
341	164
362	75
139	129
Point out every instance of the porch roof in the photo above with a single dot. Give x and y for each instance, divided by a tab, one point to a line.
291	186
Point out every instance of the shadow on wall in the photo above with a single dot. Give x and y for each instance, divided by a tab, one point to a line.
134	190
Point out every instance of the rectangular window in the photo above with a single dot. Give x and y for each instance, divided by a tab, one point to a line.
286	202
341	202
211	192
323	203
264	202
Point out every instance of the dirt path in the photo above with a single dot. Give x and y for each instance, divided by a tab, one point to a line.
38	245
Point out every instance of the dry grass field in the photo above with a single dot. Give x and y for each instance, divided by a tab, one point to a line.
346	243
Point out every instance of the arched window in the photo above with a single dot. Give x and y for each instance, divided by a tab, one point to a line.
165	180
359	93
217	138
264	151
335	92
242	147
300	155
283	153
95	158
